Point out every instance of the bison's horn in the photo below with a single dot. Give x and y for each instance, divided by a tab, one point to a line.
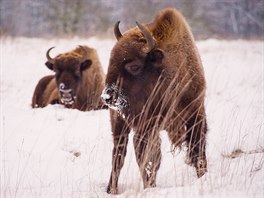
48	56
148	36
85	53
118	34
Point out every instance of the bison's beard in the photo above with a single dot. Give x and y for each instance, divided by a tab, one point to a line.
66	98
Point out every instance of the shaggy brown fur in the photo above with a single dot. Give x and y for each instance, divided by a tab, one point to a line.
78	81
156	83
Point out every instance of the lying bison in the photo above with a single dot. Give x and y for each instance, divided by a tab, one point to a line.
155	82
78	81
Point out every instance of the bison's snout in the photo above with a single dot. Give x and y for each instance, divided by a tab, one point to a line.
66	94
114	98
108	96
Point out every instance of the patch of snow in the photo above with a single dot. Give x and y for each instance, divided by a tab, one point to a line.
59	152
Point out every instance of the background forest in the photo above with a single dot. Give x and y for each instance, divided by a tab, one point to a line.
208	18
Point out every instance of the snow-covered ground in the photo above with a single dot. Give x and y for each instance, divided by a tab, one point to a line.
56	152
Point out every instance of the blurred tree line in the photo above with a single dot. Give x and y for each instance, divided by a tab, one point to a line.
207	18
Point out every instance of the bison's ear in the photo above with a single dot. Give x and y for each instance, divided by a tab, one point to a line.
156	56
86	64
49	65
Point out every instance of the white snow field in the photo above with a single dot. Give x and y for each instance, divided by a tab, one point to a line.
55	152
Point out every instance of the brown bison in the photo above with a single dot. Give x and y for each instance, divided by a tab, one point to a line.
155	81
78	81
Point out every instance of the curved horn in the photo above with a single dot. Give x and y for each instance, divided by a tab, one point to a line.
48	56
150	40
85	53
118	34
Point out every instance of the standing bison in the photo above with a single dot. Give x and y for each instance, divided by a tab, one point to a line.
155	82
78	81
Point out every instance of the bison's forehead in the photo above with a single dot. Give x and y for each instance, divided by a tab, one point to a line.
67	61
128	48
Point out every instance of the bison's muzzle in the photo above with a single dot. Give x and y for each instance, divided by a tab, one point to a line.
67	96
114	98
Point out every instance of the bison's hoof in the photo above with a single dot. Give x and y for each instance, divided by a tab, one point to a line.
201	172
188	161
152	185
201	168
111	190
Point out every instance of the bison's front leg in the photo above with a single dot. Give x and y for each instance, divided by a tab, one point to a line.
120	136
196	136
148	155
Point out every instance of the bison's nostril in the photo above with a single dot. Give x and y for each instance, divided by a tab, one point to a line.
106	98
64	89
62	86
108	101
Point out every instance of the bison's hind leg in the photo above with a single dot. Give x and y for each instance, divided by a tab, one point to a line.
196	142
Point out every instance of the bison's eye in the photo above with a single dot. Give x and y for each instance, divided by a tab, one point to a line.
134	67
57	72
77	74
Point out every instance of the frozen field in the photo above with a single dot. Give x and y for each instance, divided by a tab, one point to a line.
39	146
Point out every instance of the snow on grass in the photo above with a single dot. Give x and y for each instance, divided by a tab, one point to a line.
58	152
